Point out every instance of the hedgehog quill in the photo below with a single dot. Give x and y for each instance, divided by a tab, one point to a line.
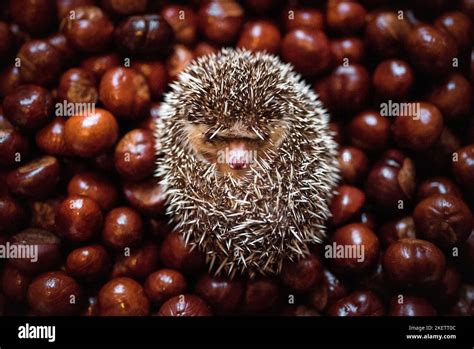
246	160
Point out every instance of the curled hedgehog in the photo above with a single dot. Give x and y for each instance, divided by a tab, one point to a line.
246	160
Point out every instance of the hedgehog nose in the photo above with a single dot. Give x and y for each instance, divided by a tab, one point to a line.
238	158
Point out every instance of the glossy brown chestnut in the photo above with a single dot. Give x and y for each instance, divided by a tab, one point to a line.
391	182
123	297
12	213
347	201
146	196
94	186
261	294
397	229
35	179
156	76
175	254
430	50
414	263
165	284
43	213
453	97
78	219
99	64
91	134
386	33
138	263
50	139
348	88
15	283
369	131
358	303
463	168
224	295
54	293
443	219
123	227
299	18
46	245
393	79
9	79
308	50
14	147
124	7
124	92
36	17
41	62
88	262
78	85
405	305
437	185
347	50
88	30
345	17
335	287
221	21
184	22
260	36
459	26
419	131
301	275
28	106
185	305
353	164
65	6
349	236
146	35
179	58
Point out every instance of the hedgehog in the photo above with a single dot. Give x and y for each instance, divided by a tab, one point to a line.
246	160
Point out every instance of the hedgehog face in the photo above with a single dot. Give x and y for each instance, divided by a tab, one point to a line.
233	150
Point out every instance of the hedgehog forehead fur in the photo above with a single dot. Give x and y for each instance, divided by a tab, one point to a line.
247	225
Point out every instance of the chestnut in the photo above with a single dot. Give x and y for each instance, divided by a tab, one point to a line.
88	29
46	246
412	263
124	92
78	85
184	22
123	227
443	219
185	305
301	275
176	254
78	219
261	294
260	36
94	186
88	262
358	303
220	21
123	297
28	106
393	79
347	201
369	131
463	168
353	164
405	305
308	50
137	264
362	243
222	294
91	134
165	284
54	293
36	178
